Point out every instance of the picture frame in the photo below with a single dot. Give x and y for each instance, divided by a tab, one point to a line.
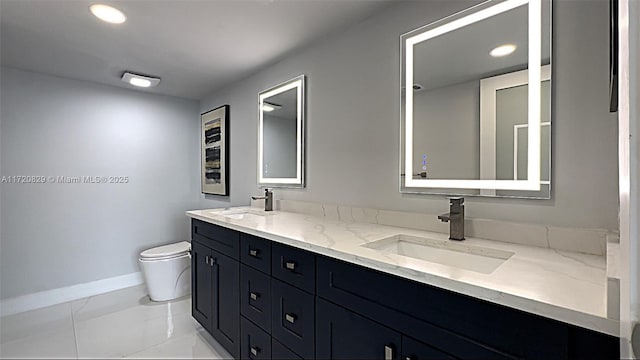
214	144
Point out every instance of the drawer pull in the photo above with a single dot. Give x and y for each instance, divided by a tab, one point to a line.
290	265
206	259
254	296
290	318
253	252
255	350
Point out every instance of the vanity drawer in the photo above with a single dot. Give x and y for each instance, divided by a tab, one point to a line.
293	318
255	252
453	323
294	266
281	352
224	240
254	343
255	296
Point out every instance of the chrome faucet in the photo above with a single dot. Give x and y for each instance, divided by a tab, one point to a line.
455	218
268	199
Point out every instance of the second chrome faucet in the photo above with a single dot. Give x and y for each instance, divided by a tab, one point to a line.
268	199
455	218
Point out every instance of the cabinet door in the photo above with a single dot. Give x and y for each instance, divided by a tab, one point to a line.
225	319
256	343
293	318
255	297
341	334
281	352
201	284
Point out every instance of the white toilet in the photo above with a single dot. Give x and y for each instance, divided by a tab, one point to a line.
167	271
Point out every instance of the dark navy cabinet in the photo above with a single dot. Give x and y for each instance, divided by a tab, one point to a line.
216	282
255	297
255	342
343	334
416	350
226	302
277	300
293	318
201	284
434	321
264	300
281	352
294	266
255	252
221	239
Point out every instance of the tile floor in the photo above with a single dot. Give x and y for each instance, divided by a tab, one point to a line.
123	323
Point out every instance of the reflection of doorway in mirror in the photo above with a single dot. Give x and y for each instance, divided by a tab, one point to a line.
519	152
503	128
512	133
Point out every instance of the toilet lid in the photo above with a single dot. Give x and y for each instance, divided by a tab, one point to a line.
166	250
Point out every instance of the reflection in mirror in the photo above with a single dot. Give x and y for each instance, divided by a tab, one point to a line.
504	131
279	121
466	115
280	131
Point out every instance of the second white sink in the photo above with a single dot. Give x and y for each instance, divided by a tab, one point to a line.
239	213
468	257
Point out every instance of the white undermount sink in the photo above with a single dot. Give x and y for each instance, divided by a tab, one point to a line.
239	213
450	253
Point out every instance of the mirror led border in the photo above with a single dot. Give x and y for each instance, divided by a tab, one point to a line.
298	84
535	45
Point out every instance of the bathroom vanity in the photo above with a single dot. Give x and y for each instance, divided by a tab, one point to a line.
283	285
473	122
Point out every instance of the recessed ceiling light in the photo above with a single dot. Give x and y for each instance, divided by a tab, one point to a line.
107	13
140	80
269	107
503	50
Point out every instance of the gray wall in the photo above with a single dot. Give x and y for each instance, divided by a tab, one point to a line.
353	121
55	235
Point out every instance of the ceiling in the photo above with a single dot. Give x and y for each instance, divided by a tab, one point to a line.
195	47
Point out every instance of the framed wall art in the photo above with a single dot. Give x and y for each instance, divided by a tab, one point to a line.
214	139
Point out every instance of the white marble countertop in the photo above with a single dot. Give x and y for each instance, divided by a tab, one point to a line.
566	286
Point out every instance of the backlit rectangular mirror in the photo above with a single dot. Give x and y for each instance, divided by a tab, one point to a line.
476	115
281	135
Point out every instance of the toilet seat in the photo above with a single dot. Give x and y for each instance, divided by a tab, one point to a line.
166	252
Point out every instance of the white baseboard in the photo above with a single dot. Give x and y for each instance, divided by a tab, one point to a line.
61	295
